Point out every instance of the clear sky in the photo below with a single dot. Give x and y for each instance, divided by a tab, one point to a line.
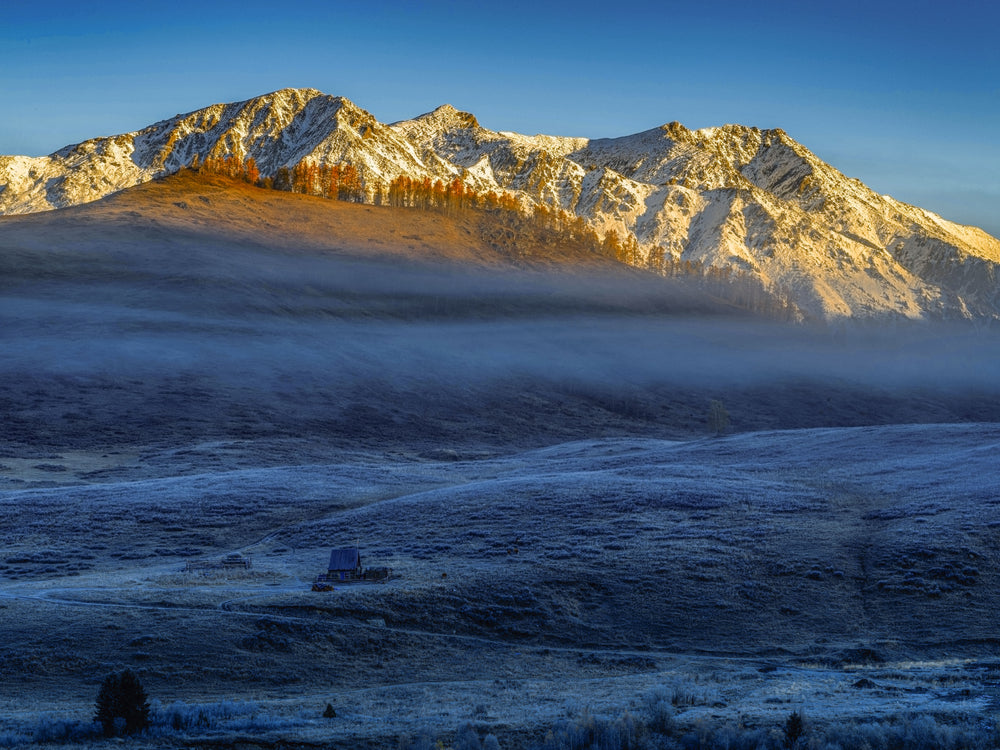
903	95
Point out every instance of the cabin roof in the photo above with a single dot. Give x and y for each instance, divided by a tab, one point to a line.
345	559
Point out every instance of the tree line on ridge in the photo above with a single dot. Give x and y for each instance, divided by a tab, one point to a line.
515	229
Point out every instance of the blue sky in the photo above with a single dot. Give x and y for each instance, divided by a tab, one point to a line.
903	95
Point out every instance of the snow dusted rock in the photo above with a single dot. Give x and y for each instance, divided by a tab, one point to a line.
280	129
736	197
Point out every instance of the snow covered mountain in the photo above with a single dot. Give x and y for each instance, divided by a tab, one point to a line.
730	197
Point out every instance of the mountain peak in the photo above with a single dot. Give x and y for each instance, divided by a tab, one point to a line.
735	197
676	131
443	118
295	97
292	92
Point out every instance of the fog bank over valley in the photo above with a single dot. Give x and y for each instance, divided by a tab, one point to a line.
362	350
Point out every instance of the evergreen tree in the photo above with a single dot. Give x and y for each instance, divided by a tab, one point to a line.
122	704
794	729
107	704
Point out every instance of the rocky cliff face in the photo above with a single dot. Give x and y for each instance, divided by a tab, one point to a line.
737	197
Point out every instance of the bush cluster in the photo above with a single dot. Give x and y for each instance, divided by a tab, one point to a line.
229	716
657	729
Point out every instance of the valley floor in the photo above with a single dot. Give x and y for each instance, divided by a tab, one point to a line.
847	573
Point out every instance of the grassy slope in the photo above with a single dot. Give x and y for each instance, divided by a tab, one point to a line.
212	206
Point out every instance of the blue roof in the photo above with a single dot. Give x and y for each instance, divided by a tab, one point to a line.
345	559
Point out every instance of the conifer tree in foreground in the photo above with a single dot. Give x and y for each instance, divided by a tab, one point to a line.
122	704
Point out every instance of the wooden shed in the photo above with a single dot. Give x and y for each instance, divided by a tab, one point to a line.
345	565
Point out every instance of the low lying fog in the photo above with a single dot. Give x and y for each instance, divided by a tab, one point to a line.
51	336
262	337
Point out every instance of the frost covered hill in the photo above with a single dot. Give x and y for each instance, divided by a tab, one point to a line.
730	197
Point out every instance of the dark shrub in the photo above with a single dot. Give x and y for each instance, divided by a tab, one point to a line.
467	739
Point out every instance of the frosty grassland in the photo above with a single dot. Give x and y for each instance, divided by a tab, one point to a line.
691	538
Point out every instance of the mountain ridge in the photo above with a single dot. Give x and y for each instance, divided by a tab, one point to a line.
732	196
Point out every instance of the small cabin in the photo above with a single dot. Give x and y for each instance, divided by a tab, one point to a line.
345	565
